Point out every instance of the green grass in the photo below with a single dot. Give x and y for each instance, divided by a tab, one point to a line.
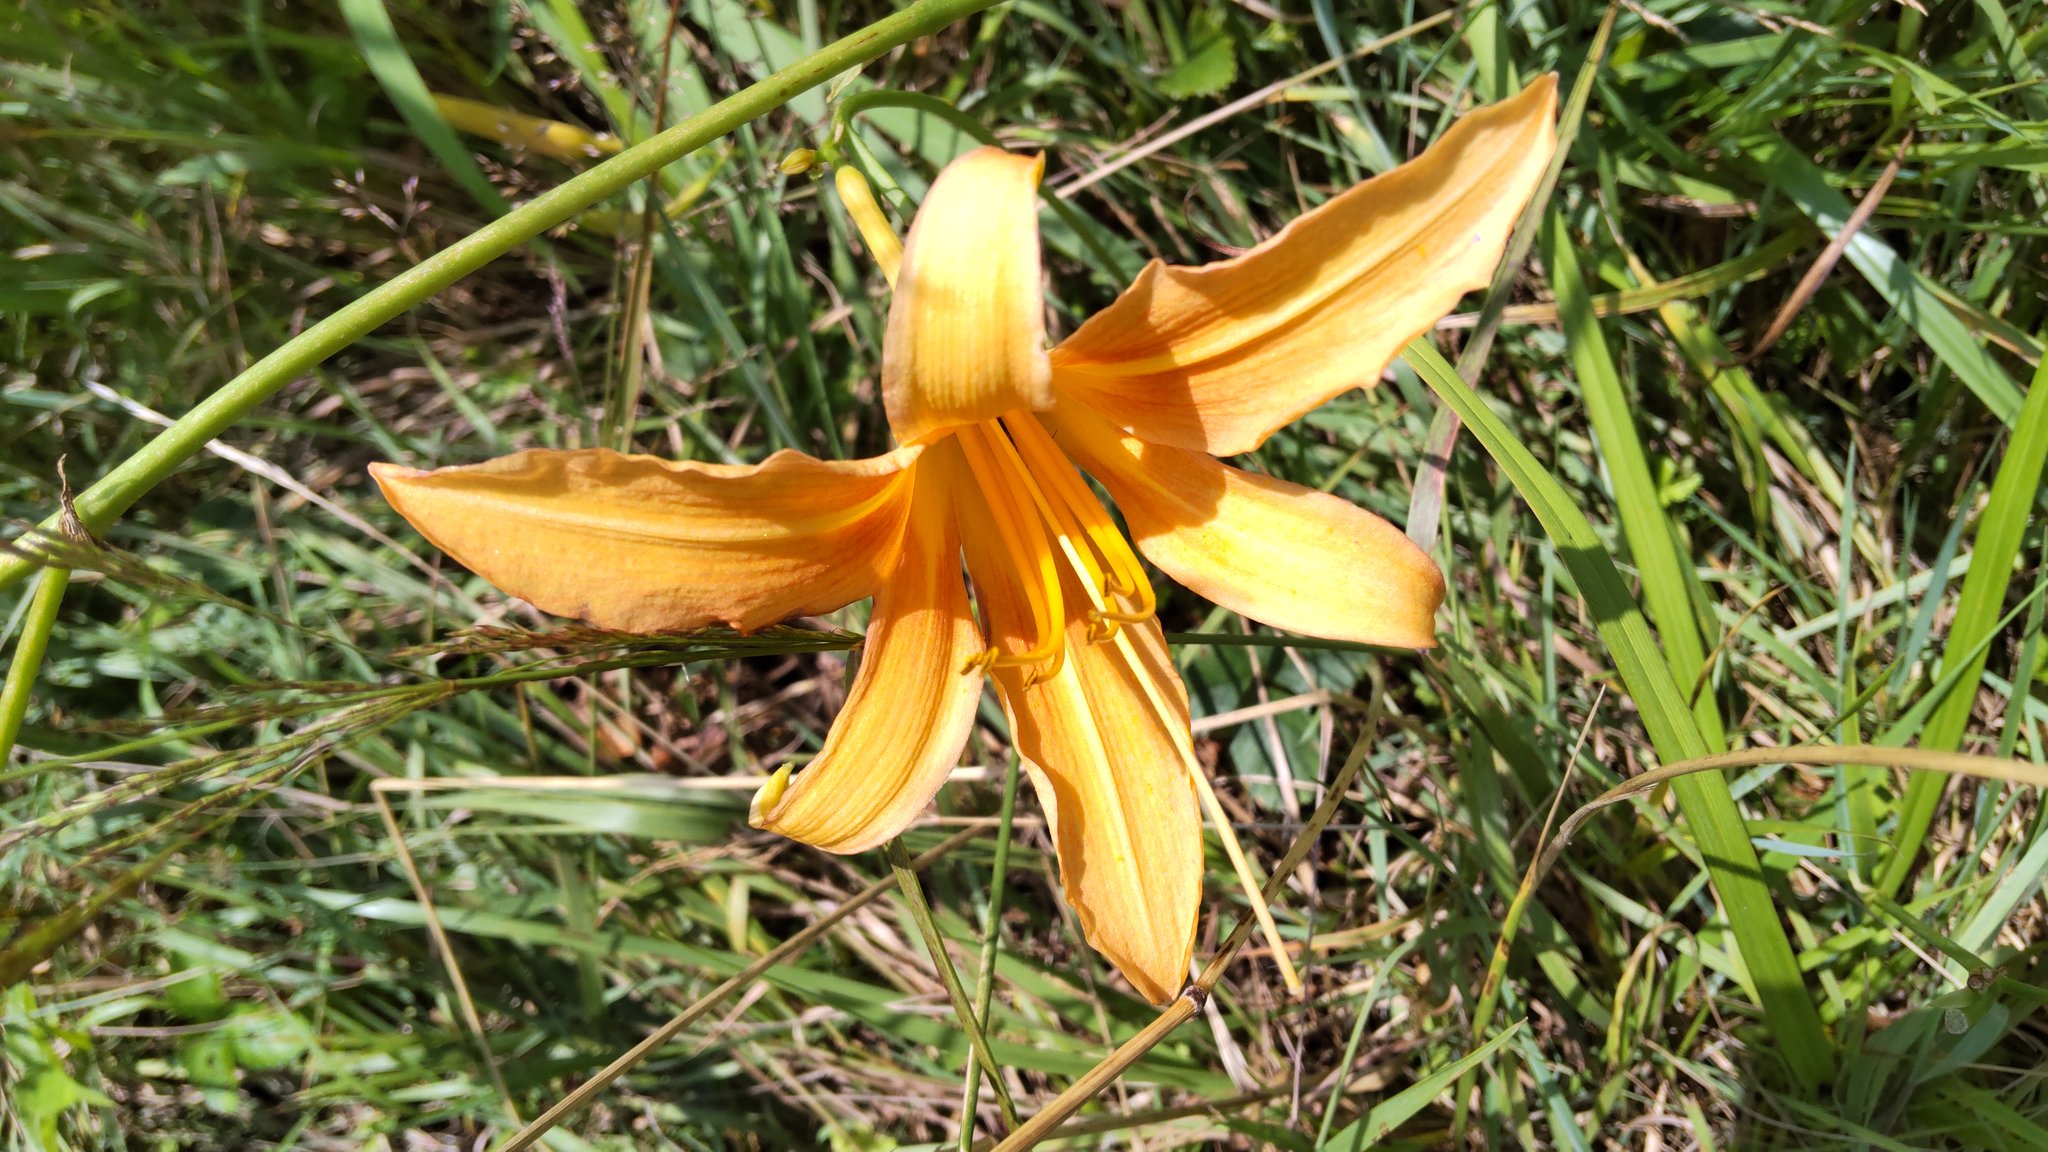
1656	550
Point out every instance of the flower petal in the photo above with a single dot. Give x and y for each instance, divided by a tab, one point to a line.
966	336
1106	743
912	706
1286	555
643	544
1218	357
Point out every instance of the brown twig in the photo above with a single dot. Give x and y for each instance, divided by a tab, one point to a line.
1802	293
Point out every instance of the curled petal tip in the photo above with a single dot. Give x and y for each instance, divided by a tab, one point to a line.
1218	357
768	796
911	709
383	470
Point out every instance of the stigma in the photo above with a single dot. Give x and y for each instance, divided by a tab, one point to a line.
1055	540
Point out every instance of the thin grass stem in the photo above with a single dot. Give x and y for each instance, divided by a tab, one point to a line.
912	891
787	950
463	1000
991	943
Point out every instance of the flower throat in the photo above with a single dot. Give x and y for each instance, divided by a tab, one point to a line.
1045	516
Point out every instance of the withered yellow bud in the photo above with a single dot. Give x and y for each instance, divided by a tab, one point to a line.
875	229
799	162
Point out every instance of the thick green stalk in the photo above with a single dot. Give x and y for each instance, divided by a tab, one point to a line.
102	503
28	656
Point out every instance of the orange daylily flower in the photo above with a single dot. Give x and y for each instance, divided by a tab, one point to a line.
1188	364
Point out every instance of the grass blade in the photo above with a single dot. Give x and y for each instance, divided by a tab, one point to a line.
2014	495
1652	543
1396	1110
393	67
1426	504
1707	801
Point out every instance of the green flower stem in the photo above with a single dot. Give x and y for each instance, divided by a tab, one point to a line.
859	102
28	656
985	979
100	505
913	895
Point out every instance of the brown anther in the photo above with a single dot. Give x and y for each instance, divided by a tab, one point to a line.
1100	627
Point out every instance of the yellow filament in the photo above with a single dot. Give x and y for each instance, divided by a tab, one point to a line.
1022	537
1060	519
1082	514
875	229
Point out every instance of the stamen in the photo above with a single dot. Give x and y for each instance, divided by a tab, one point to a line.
1065	532
1080	514
1022	537
1015	451
875	230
